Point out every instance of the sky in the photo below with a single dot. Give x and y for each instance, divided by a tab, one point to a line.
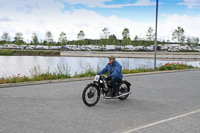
91	16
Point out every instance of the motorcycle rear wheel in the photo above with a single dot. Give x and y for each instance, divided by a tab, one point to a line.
91	95
123	88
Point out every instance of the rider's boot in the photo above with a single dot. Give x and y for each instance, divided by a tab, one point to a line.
116	93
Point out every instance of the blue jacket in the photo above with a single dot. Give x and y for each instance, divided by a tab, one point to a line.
115	70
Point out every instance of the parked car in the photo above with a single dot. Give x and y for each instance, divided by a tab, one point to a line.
110	47
23	46
16	47
54	47
173	49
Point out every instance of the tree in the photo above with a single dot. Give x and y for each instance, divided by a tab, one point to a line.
63	38
49	37
104	37
196	41
125	33
193	41
136	40
105	33
18	38
113	40
150	35
35	40
178	35
188	41
126	36
80	37
5	37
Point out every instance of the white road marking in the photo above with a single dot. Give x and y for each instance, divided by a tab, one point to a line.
161	121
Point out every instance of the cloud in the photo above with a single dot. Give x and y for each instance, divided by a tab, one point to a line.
5	19
191	3
27	8
50	17
170	22
101	3
89	3
138	3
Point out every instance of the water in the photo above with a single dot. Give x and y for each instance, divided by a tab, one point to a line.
13	65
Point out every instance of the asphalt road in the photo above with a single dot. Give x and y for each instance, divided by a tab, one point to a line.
159	103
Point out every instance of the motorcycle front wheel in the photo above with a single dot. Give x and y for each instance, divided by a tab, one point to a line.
91	95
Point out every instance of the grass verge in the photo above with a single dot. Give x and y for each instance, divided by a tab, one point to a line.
38	74
6	52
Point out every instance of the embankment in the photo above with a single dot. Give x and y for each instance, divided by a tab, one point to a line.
160	55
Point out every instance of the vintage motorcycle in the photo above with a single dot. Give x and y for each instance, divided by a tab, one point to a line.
101	86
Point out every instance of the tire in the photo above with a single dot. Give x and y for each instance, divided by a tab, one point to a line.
126	90
91	94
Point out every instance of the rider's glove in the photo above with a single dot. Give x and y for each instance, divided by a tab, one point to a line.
109	77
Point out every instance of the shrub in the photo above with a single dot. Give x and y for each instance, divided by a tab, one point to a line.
174	66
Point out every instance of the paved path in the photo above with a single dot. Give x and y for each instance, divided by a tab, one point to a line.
160	103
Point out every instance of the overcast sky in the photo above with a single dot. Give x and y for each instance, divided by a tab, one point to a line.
91	16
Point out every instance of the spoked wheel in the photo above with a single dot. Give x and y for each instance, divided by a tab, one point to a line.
91	95
123	88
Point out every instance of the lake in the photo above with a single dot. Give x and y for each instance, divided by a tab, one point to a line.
13	65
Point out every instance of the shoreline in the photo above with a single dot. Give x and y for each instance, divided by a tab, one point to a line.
101	54
88	78
149	55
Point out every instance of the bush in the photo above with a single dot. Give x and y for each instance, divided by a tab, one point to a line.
174	66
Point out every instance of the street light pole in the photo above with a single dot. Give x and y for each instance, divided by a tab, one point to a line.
155	46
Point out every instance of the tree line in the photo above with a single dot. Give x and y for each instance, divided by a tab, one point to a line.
106	38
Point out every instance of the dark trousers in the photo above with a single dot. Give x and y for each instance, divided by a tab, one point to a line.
114	82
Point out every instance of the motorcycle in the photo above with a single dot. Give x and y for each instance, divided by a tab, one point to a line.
101	86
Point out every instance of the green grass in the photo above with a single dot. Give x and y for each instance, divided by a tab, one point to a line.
7	52
62	72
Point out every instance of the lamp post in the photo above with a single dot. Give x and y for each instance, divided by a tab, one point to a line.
155	46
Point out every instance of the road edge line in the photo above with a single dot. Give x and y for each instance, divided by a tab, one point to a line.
160	122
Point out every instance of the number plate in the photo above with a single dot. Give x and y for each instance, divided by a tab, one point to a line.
97	78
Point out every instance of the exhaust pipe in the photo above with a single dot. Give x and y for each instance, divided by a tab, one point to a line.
123	94
117	96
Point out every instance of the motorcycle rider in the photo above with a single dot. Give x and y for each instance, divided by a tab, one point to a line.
115	73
